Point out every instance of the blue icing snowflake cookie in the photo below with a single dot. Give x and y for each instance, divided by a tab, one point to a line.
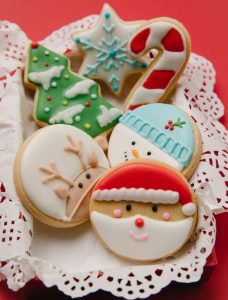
105	48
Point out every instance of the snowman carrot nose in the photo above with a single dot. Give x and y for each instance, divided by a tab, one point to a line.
135	153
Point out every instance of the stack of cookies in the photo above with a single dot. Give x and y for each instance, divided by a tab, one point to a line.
126	169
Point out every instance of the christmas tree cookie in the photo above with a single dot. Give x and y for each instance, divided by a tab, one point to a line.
63	97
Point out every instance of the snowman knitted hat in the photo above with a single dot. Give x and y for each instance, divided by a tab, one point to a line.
145	182
165	126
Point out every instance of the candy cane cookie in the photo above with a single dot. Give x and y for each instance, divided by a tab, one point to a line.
172	42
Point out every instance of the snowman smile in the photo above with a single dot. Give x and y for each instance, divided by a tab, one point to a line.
138	237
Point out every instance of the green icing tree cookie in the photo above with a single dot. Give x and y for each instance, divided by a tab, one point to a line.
63	97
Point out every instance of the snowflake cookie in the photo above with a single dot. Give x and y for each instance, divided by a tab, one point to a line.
105	48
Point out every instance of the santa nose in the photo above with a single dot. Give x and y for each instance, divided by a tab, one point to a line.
139	222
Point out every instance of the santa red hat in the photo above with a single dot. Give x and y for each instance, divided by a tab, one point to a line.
145	182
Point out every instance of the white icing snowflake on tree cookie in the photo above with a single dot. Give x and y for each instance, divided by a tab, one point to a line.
105	48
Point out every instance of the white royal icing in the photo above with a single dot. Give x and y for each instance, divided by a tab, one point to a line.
156	239
97	43
120	148
46	146
107	116
189	209
148	96
168	60
67	114
137	194
44	77
80	88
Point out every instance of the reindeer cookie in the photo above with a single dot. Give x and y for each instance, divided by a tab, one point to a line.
54	172
143	210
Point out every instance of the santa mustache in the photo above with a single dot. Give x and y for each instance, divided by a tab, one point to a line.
153	240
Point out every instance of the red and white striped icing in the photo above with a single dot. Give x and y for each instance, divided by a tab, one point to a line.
172	42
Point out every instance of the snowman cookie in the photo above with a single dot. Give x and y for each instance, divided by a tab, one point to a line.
54	172
157	131
143	210
64	97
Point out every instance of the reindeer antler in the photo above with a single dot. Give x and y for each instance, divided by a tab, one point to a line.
53	174
75	148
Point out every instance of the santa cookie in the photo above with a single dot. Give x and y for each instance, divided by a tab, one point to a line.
143	210
105	50
64	97
157	131
54	172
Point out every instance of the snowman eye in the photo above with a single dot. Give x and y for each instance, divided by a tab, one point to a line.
88	176
154	208
128	207
133	143
148	153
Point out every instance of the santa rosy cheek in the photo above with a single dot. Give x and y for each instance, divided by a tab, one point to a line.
117	213
166	216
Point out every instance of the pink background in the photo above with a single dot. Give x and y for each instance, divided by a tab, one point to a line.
207	22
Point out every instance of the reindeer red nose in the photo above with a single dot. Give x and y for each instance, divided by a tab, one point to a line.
139	222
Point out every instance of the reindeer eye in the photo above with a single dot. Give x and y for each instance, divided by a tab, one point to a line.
80	185
88	176
133	143
148	153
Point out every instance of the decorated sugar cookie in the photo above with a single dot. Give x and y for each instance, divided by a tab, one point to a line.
105	49
65	97
157	131
54	171
172	42
143	210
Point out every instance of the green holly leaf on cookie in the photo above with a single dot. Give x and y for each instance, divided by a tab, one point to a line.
171	125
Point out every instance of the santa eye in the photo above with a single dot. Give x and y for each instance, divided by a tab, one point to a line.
154	208
88	176
148	153
80	185
133	143
128	207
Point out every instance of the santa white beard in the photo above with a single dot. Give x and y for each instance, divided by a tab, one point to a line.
156	239
120	148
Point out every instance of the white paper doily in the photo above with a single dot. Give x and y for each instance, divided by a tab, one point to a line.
26	253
